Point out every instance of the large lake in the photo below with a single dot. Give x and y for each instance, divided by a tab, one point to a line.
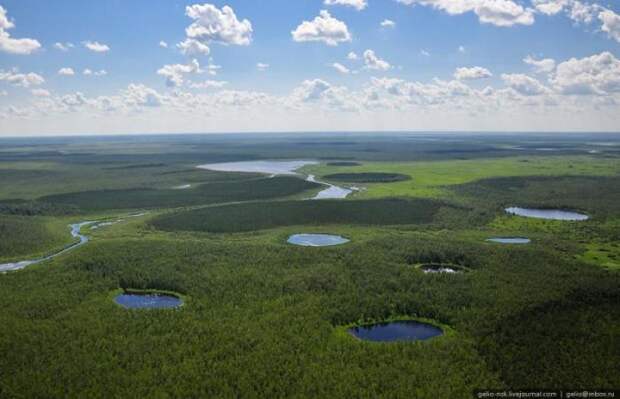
266	167
407	330
549	214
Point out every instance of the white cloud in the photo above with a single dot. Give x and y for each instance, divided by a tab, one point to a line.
357	4
472	73
63	46
502	13
14	46
340	68
90	72
261	66
524	84
388	23
352	56
174	74
544	65
139	95
21	79
40	93
96	47
214	25
191	46
373	62
324	28
595	75
208	84
462	49
311	90
66	71
163	44
611	24
425	53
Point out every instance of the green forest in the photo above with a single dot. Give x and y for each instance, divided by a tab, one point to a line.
265	318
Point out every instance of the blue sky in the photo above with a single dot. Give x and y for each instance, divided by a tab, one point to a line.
408	79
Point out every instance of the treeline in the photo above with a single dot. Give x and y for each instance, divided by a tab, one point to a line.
210	193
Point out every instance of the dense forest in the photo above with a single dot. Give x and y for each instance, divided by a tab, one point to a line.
264	318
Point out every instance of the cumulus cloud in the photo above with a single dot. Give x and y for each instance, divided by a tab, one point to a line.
96	47
544	65
324	28
340	68
502	13
142	96
472	73
66	71
388	23
352	56
11	45
357	4
212	24
611	24
373	62
15	78
63	46
523	84
262	67
595	75
163	44
90	72
174	73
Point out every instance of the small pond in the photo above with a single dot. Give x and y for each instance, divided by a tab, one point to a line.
406	330
549	214
316	240
148	301
510	240
439	268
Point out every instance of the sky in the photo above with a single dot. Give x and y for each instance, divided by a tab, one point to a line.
71	67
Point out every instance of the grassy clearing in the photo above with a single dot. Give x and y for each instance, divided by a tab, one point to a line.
430	178
603	254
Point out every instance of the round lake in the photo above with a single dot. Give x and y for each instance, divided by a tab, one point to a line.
407	330
148	301
549	214
316	240
510	240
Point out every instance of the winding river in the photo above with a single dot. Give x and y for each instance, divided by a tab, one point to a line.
75	233
275	168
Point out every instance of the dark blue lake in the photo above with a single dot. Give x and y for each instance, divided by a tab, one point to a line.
148	301
406	330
